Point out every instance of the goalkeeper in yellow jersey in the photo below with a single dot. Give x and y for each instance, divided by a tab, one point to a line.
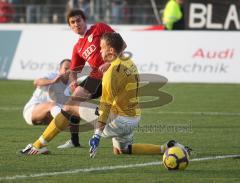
119	111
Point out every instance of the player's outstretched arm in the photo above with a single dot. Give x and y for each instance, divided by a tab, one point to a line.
95	139
45	81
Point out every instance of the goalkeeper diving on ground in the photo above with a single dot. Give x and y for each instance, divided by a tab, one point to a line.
119	110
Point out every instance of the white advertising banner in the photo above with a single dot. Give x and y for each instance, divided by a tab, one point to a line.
39	51
180	56
187	56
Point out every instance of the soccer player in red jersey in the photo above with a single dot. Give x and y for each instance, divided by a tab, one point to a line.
87	49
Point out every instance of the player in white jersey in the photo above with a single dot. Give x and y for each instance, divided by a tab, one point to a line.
52	92
49	93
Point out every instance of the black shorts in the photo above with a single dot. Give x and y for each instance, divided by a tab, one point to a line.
94	86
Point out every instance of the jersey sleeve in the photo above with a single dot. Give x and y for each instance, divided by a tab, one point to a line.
77	63
104	28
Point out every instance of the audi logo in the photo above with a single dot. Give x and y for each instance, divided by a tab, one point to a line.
89	50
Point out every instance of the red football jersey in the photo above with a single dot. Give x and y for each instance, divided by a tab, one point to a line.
87	49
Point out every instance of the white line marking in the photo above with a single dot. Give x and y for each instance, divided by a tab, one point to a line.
195	113
158	112
104	168
11	108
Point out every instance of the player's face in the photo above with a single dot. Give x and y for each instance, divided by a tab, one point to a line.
78	24
106	51
65	67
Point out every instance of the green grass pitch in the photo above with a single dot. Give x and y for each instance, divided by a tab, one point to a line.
203	116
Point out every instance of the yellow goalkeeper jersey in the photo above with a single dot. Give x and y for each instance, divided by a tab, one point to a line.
120	90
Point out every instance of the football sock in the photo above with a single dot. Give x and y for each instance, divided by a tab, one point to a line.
146	149
74	129
57	124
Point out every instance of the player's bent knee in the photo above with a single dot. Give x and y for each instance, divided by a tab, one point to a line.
67	107
81	94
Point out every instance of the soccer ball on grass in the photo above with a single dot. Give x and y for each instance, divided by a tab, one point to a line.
175	158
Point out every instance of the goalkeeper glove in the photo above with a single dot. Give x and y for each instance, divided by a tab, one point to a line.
93	143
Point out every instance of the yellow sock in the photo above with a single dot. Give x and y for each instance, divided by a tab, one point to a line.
147	149
59	123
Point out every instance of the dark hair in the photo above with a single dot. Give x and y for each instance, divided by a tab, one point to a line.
114	40
73	13
64	60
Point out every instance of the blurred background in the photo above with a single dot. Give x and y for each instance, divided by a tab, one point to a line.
131	12
110	11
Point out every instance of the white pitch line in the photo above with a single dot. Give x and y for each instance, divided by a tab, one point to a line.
158	112
195	113
104	168
11	108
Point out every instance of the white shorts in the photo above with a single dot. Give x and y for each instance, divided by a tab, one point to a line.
120	129
27	113
28	109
